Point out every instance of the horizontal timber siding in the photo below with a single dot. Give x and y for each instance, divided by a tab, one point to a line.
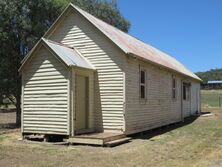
195	98
108	60
186	108
159	108
45	81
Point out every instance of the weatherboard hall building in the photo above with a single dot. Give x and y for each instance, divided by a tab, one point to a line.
85	75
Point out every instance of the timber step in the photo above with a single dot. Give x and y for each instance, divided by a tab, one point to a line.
102	139
117	142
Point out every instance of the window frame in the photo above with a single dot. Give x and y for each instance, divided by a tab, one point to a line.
186	91
142	84
174	88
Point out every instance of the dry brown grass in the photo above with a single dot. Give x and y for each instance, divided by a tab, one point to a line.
198	143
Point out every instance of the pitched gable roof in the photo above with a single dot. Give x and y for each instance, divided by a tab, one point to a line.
69	56
128	44
133	46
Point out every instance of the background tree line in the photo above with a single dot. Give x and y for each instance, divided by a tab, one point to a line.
213	74
23	23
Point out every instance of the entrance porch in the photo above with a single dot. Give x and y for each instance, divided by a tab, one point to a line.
100	139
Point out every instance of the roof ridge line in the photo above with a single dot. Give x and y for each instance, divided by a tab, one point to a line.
136	38
97	18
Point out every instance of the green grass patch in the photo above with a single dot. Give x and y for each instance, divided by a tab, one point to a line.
2	138
211	98
8	106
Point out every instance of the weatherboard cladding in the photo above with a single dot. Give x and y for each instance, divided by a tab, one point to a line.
109	61
195	97
158	108
186	108
45	82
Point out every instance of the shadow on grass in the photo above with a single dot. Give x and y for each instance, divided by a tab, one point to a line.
7	110
164	129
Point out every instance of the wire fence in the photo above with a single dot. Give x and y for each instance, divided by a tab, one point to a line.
211	98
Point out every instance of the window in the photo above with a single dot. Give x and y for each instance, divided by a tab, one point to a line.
174	87
142	84
186	91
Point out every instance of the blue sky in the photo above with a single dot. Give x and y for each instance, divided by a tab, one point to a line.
189	30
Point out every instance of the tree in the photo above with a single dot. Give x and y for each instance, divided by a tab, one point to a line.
213	74
22	24
106	11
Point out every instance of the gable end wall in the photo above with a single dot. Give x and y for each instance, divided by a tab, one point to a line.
45	95
109	61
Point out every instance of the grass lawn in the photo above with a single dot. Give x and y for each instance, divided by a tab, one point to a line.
211	97
199	143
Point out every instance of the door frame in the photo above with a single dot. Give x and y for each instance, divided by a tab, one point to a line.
90	74
182	100
79	131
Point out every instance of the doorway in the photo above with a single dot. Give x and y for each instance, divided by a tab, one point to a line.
186	99
82	96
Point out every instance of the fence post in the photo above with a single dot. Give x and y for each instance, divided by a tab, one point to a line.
219	101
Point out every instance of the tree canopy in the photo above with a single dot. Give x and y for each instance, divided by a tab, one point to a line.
106	11
23	23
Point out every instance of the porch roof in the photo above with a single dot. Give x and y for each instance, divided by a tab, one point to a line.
70	56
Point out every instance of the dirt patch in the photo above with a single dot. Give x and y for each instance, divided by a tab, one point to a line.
7	120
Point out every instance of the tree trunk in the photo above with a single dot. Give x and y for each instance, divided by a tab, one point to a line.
18	102
18	113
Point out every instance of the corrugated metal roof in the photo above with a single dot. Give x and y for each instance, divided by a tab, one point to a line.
214	82
131	45
70	56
